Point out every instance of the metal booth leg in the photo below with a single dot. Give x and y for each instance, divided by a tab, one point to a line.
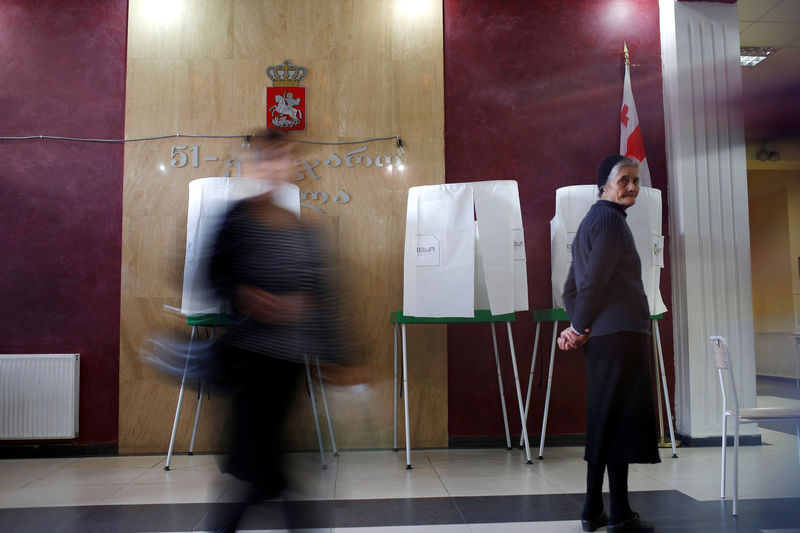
325	404
530	377
549	384
797	429
519	394
500	383
199	403
797	360
200	391
405	399
310	383
180	402
736	465
666	391
394	411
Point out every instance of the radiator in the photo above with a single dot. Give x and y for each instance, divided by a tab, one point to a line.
39	396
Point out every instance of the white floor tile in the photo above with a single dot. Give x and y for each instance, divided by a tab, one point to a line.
15	479
473	466
157	475
58	496
120	461
193	462
640	481
89	476
499	485
366	465
686	466
562	526
553	466
48	465
311	492
557	452
155	493
701	489
448	528
571	483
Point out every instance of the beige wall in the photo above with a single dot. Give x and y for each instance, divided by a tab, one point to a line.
375	70
774	192
772	273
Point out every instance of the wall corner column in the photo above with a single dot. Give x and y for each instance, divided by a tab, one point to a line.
708	209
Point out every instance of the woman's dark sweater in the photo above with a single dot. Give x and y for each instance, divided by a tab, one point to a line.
604	290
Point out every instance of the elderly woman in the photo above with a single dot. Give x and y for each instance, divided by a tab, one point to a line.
609	314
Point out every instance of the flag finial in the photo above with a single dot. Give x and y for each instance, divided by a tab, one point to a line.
627	55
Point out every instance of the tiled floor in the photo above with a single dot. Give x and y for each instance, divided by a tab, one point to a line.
447	491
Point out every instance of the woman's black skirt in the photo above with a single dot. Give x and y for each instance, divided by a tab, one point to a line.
620	417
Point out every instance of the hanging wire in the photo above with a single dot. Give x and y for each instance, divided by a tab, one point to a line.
350	142
177	135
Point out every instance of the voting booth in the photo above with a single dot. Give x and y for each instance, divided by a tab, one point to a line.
464	250
209	201
464	262
644	220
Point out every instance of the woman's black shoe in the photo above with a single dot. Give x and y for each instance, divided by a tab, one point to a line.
595	523
633	523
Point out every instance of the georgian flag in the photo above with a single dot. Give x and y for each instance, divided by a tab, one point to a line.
630	137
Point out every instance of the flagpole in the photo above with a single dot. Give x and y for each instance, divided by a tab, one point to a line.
662	443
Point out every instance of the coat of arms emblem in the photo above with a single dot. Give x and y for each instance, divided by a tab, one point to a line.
286	100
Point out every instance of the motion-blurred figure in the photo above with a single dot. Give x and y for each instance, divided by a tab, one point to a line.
269	266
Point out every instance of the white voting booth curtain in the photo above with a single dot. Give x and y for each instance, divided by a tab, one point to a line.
644	219
464	250
209	201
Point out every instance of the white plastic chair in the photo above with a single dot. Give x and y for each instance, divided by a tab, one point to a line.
742	415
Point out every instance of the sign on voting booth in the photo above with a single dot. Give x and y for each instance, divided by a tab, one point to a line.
464	250
644	219
209	201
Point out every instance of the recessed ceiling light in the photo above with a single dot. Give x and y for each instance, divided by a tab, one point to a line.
751	56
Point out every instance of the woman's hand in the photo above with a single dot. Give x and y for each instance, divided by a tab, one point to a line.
270	308
569	340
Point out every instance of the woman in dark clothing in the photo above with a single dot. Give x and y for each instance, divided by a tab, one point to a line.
268	265
605	300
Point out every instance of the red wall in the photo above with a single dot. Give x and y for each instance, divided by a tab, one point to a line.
532	93
62	66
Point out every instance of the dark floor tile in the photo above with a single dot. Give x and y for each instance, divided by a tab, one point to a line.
294	514
671	511
398	512
50	519
523	508
780	387
135	518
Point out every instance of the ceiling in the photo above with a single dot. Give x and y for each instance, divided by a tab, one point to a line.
772	88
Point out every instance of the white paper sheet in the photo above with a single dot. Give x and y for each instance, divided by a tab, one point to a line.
209	201
502	245
644	219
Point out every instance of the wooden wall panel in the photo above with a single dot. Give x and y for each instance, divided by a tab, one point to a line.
374	70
